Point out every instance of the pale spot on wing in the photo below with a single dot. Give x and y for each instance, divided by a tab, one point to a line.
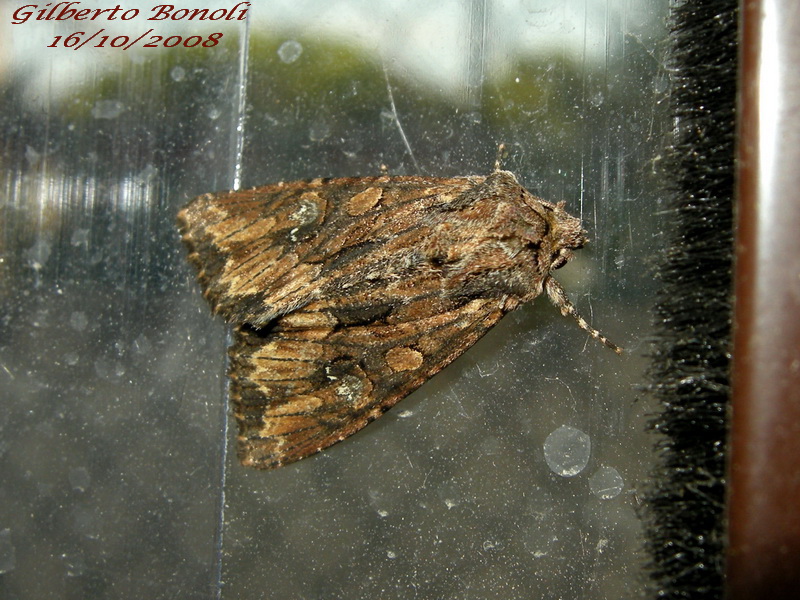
349	388
308	209
309	320
311	334
285	425
296	404
270	388
245	231
267	369
289	350
364	201
403	358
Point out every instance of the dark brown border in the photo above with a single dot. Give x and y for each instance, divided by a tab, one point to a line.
764	498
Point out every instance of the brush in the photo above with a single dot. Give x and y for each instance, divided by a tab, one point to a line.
690	369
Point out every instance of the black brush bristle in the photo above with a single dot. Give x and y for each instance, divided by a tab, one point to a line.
690	364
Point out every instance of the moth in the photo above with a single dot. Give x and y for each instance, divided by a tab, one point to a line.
345	295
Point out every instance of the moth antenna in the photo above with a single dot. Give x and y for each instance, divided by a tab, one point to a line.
501	148
559	297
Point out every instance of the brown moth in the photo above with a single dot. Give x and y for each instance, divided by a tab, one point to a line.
347	294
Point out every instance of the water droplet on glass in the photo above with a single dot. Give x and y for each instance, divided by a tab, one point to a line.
606	483
78	321
290	51
567	451
107	368
32	155
38	253
79	478
80	237
142	345
319	131
178	74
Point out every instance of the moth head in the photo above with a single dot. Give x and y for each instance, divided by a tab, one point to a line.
566	234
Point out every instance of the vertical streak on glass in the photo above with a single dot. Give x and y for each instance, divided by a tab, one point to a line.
478	29
244	42
624	32
609	35
238	144
45	190
217	581
583	74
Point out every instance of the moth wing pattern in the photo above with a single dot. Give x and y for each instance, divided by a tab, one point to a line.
347	294
297	390
260	253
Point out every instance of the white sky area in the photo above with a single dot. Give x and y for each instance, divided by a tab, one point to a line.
431	42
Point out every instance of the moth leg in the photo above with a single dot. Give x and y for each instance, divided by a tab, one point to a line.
559	297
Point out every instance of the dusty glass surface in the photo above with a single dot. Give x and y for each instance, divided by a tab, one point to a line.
512	474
